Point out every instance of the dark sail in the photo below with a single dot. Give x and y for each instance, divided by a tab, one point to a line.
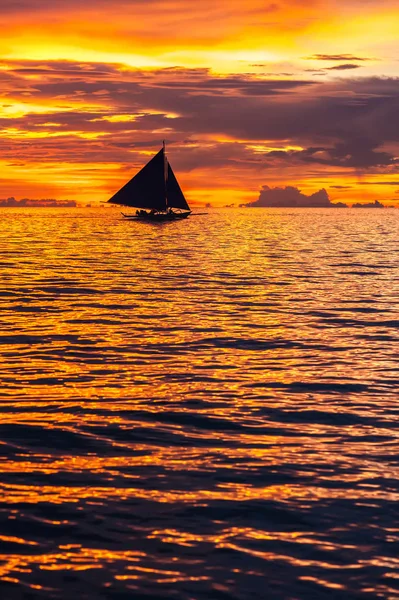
147	188
175	196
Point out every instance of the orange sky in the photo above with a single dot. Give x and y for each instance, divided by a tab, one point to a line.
245	94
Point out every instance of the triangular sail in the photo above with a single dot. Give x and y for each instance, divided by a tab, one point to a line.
175	196
146	189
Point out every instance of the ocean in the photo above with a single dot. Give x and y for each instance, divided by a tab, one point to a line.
199	410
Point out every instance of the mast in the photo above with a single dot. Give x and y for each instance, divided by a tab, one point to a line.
165	172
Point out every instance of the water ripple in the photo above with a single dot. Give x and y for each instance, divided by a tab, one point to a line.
206	410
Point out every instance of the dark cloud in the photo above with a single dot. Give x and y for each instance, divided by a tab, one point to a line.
64	70
238	157
378	183
344	67
351	123
291	197
374	204
66	76
338	57
57	6
50	202
357	153
238	85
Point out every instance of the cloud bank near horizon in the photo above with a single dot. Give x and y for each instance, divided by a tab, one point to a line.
38	202
291	196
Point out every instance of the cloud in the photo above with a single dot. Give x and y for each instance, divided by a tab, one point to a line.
374	204
237	126
291	197
241	106
49	6
49	202
337	57
358	153
344	67
378	182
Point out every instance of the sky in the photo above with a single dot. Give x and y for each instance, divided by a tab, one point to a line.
246	95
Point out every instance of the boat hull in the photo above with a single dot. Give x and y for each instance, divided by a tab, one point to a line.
157	217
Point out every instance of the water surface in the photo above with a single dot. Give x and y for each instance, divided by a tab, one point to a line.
199	410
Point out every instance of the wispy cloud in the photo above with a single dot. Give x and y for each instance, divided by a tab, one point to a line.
344	67
338	57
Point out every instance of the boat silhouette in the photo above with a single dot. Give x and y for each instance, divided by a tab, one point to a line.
155	192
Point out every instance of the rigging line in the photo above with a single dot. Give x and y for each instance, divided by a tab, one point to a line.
165	172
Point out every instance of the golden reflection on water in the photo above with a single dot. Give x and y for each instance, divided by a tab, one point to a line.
199	406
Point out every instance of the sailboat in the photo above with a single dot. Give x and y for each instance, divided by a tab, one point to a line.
155	191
